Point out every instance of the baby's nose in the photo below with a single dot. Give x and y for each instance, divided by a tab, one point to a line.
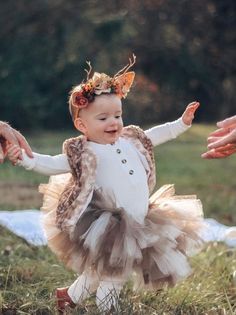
113	121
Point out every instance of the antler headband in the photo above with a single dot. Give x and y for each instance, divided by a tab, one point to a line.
101	83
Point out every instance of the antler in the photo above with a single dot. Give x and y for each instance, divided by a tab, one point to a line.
89	70
127	67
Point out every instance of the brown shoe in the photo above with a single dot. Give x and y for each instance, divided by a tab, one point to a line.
63	300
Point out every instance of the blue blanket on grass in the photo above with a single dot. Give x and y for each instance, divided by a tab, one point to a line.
26	224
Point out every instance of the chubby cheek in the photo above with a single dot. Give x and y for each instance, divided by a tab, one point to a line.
120	122
121	125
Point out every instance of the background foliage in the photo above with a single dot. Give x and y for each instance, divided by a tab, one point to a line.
185	51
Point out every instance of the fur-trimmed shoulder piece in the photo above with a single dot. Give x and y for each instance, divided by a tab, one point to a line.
72	142
134	131
83	164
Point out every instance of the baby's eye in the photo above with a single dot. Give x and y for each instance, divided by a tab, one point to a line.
103	118
118	116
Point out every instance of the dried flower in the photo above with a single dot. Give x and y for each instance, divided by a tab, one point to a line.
79	100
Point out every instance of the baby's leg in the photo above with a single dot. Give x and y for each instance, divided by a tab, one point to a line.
108	293
83	286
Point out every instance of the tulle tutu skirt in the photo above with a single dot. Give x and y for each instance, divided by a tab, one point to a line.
111	243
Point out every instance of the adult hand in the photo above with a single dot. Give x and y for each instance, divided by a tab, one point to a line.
9	134
226	134
222	142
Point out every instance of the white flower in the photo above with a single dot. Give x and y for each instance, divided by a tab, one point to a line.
101	83
99	92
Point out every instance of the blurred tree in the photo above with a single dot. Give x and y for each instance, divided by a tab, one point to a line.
185	51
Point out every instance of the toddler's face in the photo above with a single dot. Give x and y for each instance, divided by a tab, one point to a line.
101	121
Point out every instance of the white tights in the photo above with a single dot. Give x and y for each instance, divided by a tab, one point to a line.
108	290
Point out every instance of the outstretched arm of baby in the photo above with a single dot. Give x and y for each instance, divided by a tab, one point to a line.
40	163
165	132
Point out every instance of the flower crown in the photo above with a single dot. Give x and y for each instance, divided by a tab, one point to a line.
100	83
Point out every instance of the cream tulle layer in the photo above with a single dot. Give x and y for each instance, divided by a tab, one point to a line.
111	243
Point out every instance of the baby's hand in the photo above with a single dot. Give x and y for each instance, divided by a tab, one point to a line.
189	112
14	153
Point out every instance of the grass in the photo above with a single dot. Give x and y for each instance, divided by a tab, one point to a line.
29	275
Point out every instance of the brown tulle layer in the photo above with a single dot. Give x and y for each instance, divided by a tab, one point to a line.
110	242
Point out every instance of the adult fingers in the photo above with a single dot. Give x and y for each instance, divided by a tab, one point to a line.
14	137
228	139
6	132
1	154
226	152
212	139
23	143
212	154
227	147
3	144
228	122
216	154
217	144
219	132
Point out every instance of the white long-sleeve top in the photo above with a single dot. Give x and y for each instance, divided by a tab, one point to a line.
121	170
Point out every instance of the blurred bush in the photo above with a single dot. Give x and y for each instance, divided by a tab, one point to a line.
185	51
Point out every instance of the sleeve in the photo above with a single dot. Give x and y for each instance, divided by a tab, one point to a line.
163	133
45	164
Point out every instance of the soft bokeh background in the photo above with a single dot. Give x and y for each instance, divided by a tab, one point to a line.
185	51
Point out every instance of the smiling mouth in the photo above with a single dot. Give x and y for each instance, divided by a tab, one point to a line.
111	131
